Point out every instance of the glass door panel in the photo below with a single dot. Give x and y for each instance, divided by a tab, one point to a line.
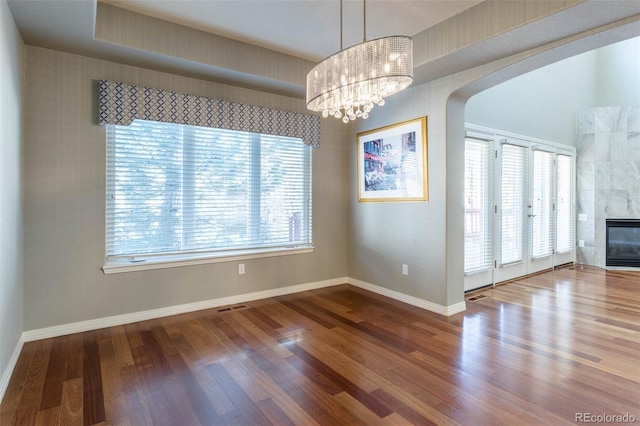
478	215
511	185
540	212
564	241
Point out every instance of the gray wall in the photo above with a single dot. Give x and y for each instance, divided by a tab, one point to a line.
64	195
540	104
618	74
11	306
386	235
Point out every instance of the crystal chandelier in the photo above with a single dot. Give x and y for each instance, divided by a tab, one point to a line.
350	82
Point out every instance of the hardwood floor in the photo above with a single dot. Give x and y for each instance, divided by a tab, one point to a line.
541	350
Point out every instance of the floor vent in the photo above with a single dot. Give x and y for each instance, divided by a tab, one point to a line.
568	265
477	297
232	308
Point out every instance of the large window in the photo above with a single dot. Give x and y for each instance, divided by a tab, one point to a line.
186	191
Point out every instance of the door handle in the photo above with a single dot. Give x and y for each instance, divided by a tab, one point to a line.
531	215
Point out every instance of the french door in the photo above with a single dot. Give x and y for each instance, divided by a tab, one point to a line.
512	211
518	208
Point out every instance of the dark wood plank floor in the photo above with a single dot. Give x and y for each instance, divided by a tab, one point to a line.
541	350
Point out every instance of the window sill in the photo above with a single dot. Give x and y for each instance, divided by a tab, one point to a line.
120	265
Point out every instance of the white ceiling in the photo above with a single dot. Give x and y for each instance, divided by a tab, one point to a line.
309	29
304	30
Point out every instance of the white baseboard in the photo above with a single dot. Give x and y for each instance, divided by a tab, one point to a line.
78	327
411	300
94	324
6	375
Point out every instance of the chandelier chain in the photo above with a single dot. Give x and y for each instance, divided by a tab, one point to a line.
364	20
341	45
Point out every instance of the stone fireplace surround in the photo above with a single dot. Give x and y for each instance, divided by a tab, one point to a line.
608	175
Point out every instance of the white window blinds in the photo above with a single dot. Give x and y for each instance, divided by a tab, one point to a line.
478	181
513	167
564	213
541	205
175	188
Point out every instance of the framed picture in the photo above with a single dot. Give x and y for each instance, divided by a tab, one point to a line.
392	162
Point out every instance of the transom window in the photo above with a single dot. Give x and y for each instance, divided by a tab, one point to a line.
177	190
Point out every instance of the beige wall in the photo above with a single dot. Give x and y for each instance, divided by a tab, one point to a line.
64	161
11	307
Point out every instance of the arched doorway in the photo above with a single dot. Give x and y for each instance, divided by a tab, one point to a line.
456	132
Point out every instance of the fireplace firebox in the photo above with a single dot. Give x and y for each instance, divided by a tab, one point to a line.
623	242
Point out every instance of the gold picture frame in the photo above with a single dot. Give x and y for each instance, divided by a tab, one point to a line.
392	163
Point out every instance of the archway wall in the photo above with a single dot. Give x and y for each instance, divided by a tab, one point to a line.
428	237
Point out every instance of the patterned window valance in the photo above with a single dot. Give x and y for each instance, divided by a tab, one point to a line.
122	103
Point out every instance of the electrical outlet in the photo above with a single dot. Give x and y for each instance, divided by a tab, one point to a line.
405	269
582	217
241	268
580	243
